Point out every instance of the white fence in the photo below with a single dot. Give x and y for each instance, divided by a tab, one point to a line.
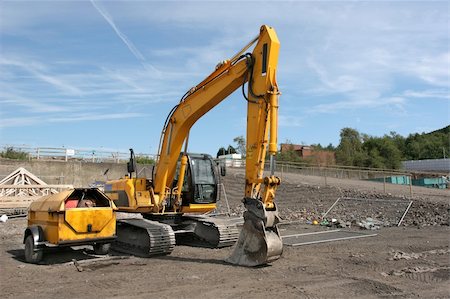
66	154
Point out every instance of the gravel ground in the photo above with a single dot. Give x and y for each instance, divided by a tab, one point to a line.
410	261
307	198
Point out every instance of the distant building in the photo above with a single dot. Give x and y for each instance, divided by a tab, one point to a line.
309	153
285	147
431	165
232	160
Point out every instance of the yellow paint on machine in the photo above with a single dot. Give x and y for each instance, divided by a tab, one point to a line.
198	208
78	224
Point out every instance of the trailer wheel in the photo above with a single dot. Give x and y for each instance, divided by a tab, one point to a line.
31	254
102	248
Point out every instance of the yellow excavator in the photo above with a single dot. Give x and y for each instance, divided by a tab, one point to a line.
184	186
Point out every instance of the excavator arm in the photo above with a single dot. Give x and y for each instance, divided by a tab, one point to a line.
197	102
259	240
257	68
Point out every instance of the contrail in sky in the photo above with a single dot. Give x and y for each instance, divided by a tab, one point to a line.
119	33
126	41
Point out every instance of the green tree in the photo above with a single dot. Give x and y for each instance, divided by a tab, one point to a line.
374	159
433	145
357	149
350	151
288	156
399	141
382	152
241	145
330	147
413	147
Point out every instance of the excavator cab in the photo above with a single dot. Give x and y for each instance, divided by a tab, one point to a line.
200	180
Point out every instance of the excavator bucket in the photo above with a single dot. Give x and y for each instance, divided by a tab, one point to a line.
259	241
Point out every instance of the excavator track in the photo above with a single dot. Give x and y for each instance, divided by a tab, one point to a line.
144	238
210	232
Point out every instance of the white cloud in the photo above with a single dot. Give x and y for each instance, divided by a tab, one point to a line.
19	121
67	117
97	88
94	116
364	103
124	38
433	70
428	94
290	121
340	84
41	72
119	33
32	105
336	57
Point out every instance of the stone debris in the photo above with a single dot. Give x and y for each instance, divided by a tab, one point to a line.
400	255
371	224
417	269
307	203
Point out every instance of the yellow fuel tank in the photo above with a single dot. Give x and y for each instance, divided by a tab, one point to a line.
72	217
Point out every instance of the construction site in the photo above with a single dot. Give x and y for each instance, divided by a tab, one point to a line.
275	220
362	252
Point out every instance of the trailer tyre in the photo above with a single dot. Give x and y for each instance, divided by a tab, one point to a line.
102	248
31	254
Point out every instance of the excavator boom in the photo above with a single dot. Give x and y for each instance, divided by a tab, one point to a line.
260	241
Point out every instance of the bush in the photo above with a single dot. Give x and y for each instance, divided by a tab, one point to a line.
145	160
11	153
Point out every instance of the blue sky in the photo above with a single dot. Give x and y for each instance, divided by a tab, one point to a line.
105	74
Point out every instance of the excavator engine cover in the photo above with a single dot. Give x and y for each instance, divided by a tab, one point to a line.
259	241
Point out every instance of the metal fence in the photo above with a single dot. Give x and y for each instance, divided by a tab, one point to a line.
439	165
69	154
337	171
334	171
384	177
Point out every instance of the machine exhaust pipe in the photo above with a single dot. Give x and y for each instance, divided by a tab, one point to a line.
259	242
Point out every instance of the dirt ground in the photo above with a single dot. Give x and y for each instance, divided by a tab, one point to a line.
410	261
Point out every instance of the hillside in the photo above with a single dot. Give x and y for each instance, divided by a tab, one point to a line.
444	130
